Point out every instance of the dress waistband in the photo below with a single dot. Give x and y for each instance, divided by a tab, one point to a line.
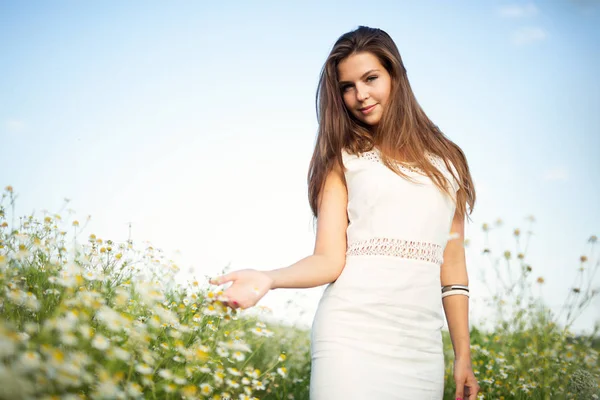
410	249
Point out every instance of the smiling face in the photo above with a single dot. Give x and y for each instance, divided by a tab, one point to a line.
365	86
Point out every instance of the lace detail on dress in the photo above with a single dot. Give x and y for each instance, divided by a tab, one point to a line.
375	156
411	249
370	155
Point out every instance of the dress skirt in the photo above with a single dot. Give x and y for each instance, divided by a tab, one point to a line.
377	332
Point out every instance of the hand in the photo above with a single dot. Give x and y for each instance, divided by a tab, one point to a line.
466	384
249	286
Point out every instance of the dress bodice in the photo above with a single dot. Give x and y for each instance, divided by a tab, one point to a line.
389	213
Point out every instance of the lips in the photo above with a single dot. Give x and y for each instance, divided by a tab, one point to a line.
367	110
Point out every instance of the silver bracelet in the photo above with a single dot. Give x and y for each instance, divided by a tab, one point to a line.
450	290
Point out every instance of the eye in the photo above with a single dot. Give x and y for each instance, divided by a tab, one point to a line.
371	78
345	88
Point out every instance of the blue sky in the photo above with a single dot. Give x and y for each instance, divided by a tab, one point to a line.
195	121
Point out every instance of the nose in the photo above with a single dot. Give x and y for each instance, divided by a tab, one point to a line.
362	93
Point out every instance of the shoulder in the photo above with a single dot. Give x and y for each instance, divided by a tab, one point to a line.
347	157
447	168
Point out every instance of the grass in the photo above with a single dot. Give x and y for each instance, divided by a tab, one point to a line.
83	317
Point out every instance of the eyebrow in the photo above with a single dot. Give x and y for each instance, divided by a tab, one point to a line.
362	77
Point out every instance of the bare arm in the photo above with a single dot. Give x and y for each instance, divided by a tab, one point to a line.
329	256
322	267
456	308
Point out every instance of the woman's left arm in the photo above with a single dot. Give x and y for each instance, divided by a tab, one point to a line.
456	308
454	272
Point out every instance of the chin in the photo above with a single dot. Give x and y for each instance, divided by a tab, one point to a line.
371	121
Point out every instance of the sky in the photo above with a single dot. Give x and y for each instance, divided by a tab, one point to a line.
194	122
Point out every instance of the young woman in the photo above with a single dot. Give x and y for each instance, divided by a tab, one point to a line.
390	195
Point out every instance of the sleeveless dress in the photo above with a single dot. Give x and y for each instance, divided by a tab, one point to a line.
376	333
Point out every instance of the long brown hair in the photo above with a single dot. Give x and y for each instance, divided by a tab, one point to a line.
404	134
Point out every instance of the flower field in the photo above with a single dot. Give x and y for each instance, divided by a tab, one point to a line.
84	317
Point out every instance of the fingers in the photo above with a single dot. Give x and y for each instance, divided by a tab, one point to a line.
230	299
460	389
473	392
473	387
244	292
465	392
236	304
233	297
240	296
219	280
468	393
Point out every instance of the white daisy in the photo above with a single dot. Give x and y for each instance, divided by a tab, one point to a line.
100	342
222	352
30	360
258	385
165	374
143	369
121	354
206	389
238	356
133	389
205	369
233	384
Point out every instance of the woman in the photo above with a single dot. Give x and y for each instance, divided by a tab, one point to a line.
389	192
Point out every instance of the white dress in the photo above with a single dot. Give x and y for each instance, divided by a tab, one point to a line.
377	330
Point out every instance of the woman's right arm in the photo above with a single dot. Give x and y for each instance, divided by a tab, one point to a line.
329	255
322	267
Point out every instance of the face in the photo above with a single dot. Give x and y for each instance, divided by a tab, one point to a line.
365	86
